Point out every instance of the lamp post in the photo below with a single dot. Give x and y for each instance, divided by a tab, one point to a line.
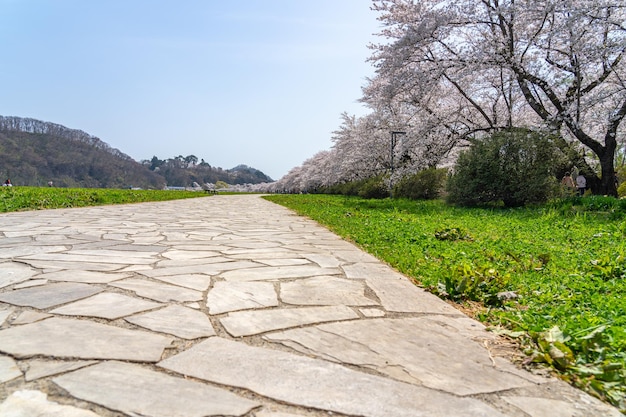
394	141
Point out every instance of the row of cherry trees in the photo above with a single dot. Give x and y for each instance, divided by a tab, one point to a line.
449	72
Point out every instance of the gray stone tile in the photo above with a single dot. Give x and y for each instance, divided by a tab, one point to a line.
261	254
49	295
30	283
233	296
325	290
268	273
106	305
8	369
134	390
13	273
545	407
266	413
308	382
12	242
38	368
176	320
395	291
88	277
284	262
323	260
177	254
158	291
207	268
97	256
70	338
30	403
163	265
28	316
5	313
196	282
246	323
25	250
420	351
73	266
353	254
372	312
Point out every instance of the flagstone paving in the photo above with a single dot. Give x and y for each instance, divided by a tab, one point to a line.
234	306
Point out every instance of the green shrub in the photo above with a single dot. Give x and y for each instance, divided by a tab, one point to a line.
425	185
374	188
515	167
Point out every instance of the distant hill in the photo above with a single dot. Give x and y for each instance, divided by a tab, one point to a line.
33	152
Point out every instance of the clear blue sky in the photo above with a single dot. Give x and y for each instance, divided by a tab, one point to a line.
256	82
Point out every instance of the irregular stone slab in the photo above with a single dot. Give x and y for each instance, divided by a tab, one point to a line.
26	317
12	242
196	282
42	368
261	254
285	262
166	264
88	277
158	291
74	266
29	403
372	312
30	283
396	292
4	314
188	254
18	251
421	351
106	305
324	261
49	295
267	273
207	268
177	320
8	369
114	257
353	254
316	383
232	296
69	338
266	413
545	407
325	290
134	390
13	273
246	323
401	295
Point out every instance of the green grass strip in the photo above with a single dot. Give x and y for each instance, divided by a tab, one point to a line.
563	265
40	198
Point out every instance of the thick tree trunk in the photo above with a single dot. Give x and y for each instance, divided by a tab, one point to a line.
607	179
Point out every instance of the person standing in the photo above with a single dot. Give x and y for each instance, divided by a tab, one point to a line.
568	183
581	184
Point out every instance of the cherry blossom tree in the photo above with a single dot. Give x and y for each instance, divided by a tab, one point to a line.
482	65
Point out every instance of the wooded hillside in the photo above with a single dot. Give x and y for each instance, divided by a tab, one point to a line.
34	152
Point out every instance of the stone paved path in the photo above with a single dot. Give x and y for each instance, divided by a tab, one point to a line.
234	306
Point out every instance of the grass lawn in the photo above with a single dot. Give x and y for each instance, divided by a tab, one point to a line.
554	277
39	198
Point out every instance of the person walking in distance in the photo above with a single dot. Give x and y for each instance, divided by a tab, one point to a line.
581	184
568	184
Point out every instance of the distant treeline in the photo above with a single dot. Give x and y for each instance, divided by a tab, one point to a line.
33	152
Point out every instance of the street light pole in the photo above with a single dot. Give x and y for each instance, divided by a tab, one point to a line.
394	141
